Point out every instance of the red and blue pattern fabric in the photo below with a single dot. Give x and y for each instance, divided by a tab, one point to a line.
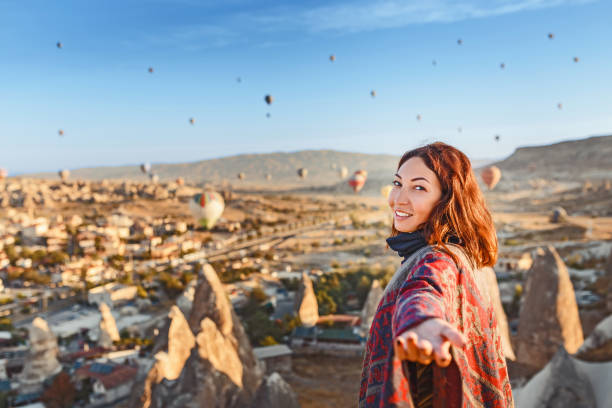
436	287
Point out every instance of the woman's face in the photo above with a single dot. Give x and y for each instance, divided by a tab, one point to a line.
416	191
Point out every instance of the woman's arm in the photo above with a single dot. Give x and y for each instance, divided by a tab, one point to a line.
424	305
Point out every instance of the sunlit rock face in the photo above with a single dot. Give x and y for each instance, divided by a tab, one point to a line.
502	321
549	313
306	306
108	327
41	361
208	361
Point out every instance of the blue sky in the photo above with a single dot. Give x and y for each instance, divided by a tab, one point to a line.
112	111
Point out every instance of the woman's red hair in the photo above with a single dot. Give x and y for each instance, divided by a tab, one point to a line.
461	212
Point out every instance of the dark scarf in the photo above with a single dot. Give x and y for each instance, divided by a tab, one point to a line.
407	243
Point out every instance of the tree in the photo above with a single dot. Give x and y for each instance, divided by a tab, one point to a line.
61	393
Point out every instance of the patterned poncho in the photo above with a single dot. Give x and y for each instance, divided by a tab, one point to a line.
430	284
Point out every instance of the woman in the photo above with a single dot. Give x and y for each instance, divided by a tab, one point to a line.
435	300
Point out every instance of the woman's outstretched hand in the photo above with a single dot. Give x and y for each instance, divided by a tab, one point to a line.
429	341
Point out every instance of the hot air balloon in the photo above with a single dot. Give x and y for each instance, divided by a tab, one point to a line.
145	167
434	63
459	41
60	132
418	117
180	181
206	208
64	174
576	59
191	120
59	44
491	176
459	129
154	178
239	80
559	106
269	99
268	176
268	115
385	190
241	176
551	36
302	172
357	180
373	93
3	174
343	172
150	70
502	65
497	137
332	58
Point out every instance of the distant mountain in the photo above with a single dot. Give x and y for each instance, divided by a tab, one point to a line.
323	169
589	158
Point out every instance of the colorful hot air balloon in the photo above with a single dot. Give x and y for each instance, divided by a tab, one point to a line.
385	191
357	180
191	120
150	70
576	59
551	36
332	58
343	172
241	176
559	106
3	174
373	93
180	181
59	44
145	167
64	174
302	172
60	132
418	117
491	176
269	99
207	208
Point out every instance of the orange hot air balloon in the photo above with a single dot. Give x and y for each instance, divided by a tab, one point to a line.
491	176
576	59
302	172
357	180
559	106
60	132
332	58
191	120
269	99
3	174
180	181
150	70
551	36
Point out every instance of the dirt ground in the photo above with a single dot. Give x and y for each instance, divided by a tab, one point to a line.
326	382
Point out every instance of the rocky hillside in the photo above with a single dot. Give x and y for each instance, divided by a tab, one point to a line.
589	158
323	169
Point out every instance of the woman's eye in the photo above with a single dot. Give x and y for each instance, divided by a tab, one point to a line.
397	183
419	188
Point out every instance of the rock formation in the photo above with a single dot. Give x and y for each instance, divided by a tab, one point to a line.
549	313
370	306
561	384
306	306
598	346
41	361
275	392
108	327
502	321
209	361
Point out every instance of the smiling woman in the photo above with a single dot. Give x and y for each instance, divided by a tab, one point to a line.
436	299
